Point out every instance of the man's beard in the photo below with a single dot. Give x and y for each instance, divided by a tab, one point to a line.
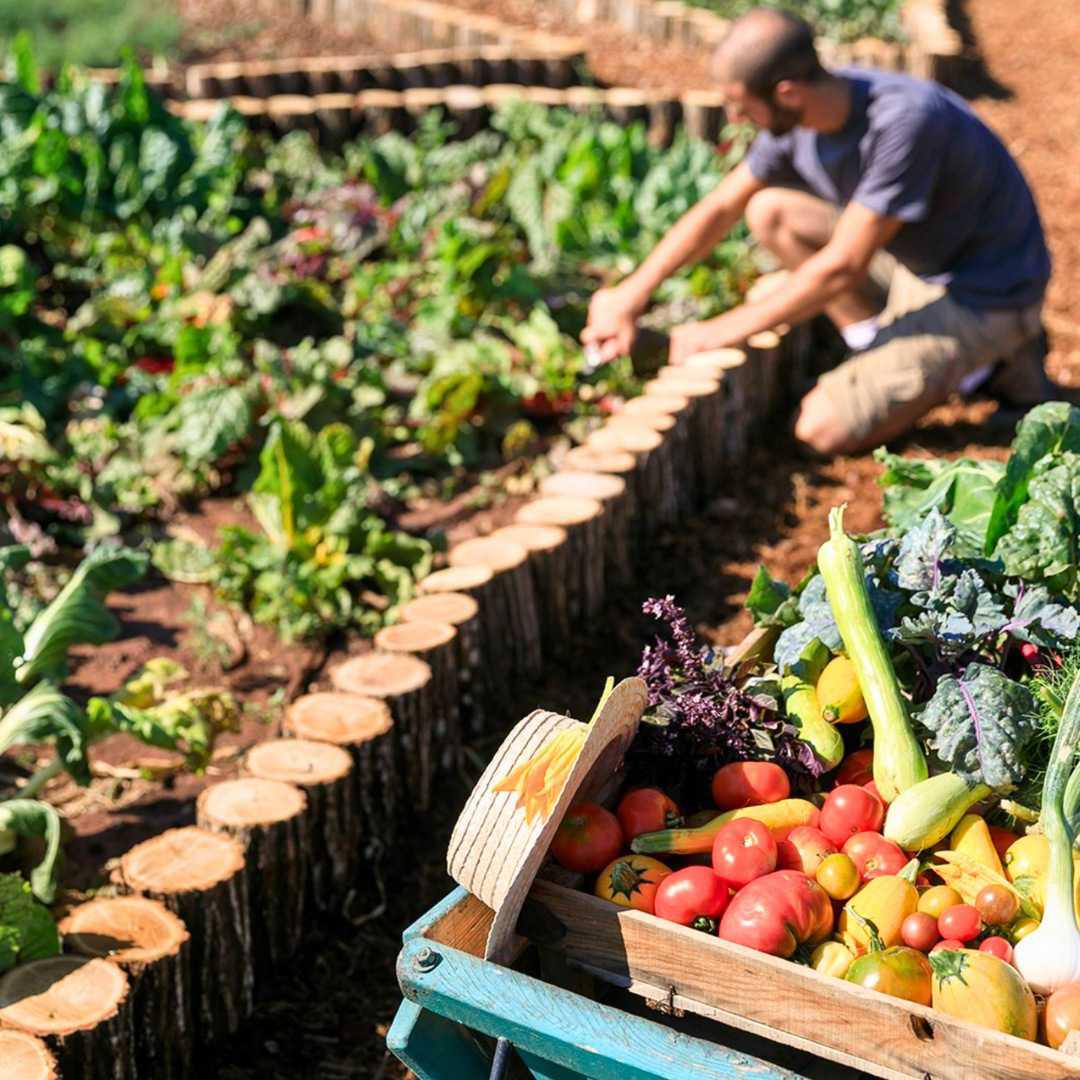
783	120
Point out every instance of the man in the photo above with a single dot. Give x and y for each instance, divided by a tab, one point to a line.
897	212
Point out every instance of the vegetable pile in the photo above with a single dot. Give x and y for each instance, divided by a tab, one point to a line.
886	786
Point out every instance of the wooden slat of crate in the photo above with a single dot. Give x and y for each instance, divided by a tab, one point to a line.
786	1002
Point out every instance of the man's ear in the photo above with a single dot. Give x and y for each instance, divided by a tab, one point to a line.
790	94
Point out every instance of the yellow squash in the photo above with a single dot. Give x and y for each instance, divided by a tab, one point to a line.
780	818
978	987
839	693
872	918
832	958
972	837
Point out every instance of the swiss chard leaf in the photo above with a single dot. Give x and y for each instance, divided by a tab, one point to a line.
30	818
770	601
982	725
46	715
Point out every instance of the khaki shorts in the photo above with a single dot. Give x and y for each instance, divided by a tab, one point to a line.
926	347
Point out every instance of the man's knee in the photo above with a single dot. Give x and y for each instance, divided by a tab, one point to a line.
765	216
819	426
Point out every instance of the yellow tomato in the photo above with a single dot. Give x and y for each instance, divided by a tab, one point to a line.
838	876
936	899
631	881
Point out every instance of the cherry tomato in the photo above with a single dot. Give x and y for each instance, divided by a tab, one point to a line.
694	896
631	881
997	946
952	944
873	855
961	921
804	848
646	810
588	838
743	850
857	768
1062	1013
997	905
920	931
1002	839
848	810
749	783
838	876
936	899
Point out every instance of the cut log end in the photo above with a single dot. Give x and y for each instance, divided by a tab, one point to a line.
634	440
534	537
183	860
688	382
497	555
249	802
650	405
456	579
306	762
61	995
449	607
561	510
593	459
415	636
124	929
381	675
584	485
713	360
341	718
25	1057
658	421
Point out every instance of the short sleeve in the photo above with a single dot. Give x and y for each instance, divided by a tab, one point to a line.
770	159
902	167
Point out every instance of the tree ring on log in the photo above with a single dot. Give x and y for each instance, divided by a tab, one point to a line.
593	459
497	555
62	995
298	761
599	486
125	929
635	440
381	675
341	718
562	510
650	405
456	579
182	860
533	537
250	802
659	421
452	608
414	636
25	1057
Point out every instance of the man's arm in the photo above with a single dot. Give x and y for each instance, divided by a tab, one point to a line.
837	268
613	312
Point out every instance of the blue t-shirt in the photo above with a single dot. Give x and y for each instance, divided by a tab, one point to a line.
913	150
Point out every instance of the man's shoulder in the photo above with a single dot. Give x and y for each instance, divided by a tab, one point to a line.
892	98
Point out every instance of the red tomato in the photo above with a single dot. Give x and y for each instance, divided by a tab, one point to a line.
919	931
872	788
952	944
588	839
873	855
694	896
1062	1013
749	783
857	768
961	921
850	809
743	850
999	947
1002	839
646	810
804	848
777	913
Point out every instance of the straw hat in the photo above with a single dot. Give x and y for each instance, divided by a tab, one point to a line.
493	852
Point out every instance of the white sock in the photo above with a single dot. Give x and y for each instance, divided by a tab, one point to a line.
859	334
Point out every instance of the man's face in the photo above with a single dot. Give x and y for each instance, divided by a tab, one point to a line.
743	107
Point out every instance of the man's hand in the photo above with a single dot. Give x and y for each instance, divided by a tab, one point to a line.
612	325
697	337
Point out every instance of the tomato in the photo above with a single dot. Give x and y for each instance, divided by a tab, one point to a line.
899	972
749	783
848	810
805	848
873	855
935	900
1021	928
949	944
1062	1013
694	896
646	810
631	881
997	946
588	838
743	850
838	876
961	921
777	913
983	989
872	788
1002	839
920	931
857	768
997	905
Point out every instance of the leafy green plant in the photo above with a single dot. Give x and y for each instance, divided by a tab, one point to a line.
840	20
27	930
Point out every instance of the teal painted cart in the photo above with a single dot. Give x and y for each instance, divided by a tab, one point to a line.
458	1005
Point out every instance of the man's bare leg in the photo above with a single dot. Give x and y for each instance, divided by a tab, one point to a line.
794	225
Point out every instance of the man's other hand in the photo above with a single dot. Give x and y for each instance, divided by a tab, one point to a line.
612	325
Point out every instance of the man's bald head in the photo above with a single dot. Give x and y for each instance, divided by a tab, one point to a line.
764	47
